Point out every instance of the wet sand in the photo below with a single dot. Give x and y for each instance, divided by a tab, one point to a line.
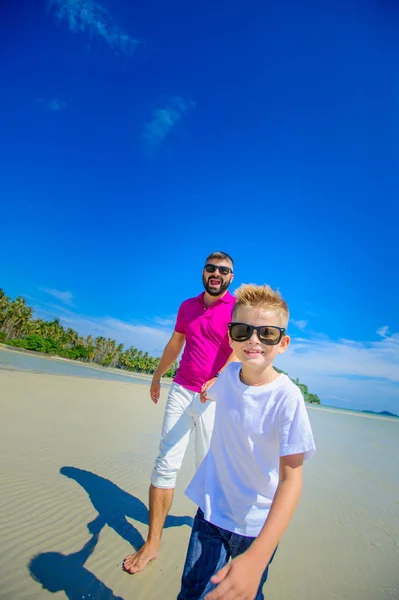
77	455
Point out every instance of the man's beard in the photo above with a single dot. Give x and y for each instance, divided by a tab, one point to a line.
211	291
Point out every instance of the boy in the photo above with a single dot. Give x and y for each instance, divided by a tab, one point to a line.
249	483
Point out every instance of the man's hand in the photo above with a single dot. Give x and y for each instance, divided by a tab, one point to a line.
155	390
238	580
205	388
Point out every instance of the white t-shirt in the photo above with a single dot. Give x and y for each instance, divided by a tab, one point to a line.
254	426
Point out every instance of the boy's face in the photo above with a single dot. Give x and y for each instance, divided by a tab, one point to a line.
252	352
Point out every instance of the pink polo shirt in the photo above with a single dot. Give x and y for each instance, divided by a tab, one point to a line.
207	344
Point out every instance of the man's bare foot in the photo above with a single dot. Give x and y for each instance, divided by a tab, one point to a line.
134	563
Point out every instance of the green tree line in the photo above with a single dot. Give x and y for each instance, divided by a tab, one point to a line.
309	397
18	328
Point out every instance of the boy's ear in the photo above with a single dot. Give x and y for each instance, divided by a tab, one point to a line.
285	342
230	341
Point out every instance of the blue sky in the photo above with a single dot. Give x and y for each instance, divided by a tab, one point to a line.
136	139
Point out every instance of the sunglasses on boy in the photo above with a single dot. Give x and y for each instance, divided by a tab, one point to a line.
270	335
210	268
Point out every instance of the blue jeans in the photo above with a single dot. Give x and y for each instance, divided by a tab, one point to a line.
209	549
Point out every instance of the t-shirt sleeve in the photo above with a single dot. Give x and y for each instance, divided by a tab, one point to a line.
179	327
296	435
214	389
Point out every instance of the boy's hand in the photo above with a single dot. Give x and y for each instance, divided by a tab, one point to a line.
238	580
205	388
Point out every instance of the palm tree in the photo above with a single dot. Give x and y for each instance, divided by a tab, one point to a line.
4	307
15	322
35	327
72	337
4	301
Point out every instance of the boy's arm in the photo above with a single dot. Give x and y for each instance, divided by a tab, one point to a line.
208	384
241	577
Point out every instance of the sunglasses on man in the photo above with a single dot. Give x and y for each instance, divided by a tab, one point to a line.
270	335
210	268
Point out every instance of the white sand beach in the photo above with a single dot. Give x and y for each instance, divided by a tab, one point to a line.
77	455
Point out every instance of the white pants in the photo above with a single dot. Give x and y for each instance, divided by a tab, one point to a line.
183	413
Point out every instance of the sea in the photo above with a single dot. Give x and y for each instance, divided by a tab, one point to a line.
36	363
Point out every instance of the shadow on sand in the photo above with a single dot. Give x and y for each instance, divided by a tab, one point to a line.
65	572
113	506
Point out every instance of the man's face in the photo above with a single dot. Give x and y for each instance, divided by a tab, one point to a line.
216	283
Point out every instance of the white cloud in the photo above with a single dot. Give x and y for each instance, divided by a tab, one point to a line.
168	322
365	373
89	16
149	338
56	104
347	357
383	331
164	119
53	104
301	324
65	297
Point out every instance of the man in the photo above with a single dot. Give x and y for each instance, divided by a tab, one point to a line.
202	325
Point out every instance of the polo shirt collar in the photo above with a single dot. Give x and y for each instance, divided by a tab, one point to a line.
227	298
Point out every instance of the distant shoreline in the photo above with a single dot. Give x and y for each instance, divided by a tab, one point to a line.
168	380
89	365
354	413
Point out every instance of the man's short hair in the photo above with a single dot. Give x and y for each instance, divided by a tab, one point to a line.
261	296
220	256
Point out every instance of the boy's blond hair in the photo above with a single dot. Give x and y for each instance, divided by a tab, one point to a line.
251	295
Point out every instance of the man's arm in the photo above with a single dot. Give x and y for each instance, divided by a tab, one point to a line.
170	354
210	382
241	577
